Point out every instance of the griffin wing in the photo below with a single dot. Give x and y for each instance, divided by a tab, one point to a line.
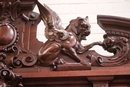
50	19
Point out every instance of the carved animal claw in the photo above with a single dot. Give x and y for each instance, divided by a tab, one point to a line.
59	61
56	62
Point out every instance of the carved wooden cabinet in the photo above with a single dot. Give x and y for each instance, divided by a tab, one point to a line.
62	61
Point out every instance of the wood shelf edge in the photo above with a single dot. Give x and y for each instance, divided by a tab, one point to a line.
83	73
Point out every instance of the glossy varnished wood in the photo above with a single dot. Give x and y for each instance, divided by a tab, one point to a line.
62	61
77	73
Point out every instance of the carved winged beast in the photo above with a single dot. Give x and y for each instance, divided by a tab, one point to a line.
59	39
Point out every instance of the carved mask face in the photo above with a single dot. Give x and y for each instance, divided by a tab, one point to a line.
109	44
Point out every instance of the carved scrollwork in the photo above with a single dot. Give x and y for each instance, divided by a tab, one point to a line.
116	40
22	58
9	78
119	46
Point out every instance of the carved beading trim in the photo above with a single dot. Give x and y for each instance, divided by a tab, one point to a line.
118	33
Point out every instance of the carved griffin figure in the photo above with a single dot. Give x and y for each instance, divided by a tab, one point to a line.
67	40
